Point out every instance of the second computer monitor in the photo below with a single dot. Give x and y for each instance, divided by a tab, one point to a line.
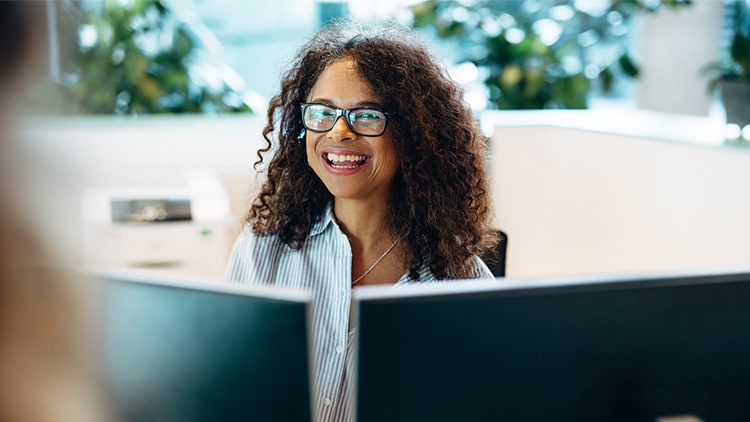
633	349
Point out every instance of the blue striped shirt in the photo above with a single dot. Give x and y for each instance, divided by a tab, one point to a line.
322	265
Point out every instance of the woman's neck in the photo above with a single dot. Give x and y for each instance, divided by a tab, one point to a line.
362	221
376	258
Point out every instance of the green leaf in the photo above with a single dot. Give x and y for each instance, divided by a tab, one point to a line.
628	66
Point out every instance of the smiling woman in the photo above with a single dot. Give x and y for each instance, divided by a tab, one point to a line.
375	175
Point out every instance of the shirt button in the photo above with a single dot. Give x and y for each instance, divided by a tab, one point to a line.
327	402
339	349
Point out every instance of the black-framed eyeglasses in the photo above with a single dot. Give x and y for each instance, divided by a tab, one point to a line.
364	121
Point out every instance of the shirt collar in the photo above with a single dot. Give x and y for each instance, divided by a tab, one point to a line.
324	221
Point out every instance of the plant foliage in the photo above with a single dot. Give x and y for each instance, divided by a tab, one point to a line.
540	54
734	63
136	57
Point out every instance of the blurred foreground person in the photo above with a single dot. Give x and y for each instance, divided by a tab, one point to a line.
44	356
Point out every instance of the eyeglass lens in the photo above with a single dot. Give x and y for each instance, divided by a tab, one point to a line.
363	121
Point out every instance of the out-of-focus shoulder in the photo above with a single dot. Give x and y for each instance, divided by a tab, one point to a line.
480	269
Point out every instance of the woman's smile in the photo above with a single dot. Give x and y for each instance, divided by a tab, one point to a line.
344	160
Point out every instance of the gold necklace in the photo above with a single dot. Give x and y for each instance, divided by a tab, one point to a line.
387	251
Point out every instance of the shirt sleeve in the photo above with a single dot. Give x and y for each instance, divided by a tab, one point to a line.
257	259
479	269
240	265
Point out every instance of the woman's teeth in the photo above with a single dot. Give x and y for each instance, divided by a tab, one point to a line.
345	160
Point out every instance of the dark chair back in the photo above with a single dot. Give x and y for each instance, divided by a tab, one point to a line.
495	257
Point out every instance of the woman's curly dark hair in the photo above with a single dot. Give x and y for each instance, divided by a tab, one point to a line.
439	200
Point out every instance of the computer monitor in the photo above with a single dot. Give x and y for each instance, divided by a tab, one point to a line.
176	350
635	348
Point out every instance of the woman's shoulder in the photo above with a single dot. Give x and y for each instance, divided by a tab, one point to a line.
249	240
479	269
252	245
476	269
249	249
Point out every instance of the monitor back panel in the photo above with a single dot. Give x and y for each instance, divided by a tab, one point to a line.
620	351
177	353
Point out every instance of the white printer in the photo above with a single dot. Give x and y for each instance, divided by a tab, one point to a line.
173	230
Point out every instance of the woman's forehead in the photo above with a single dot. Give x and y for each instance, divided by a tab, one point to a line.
341	81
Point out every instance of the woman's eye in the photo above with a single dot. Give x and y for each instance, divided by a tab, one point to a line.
366	115
323	114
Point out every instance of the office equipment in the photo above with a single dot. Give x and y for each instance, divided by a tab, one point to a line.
633	348
173	350
183	230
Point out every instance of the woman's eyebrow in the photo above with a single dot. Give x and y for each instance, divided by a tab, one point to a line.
330	103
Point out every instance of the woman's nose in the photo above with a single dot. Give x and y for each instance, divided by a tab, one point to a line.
341	130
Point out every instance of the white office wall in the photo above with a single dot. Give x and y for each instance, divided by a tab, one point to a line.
577	191
581	201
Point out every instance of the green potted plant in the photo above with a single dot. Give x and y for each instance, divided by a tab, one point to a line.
730	75
540	54
132	58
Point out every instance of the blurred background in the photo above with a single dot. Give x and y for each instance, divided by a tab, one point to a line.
116	56
157	107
